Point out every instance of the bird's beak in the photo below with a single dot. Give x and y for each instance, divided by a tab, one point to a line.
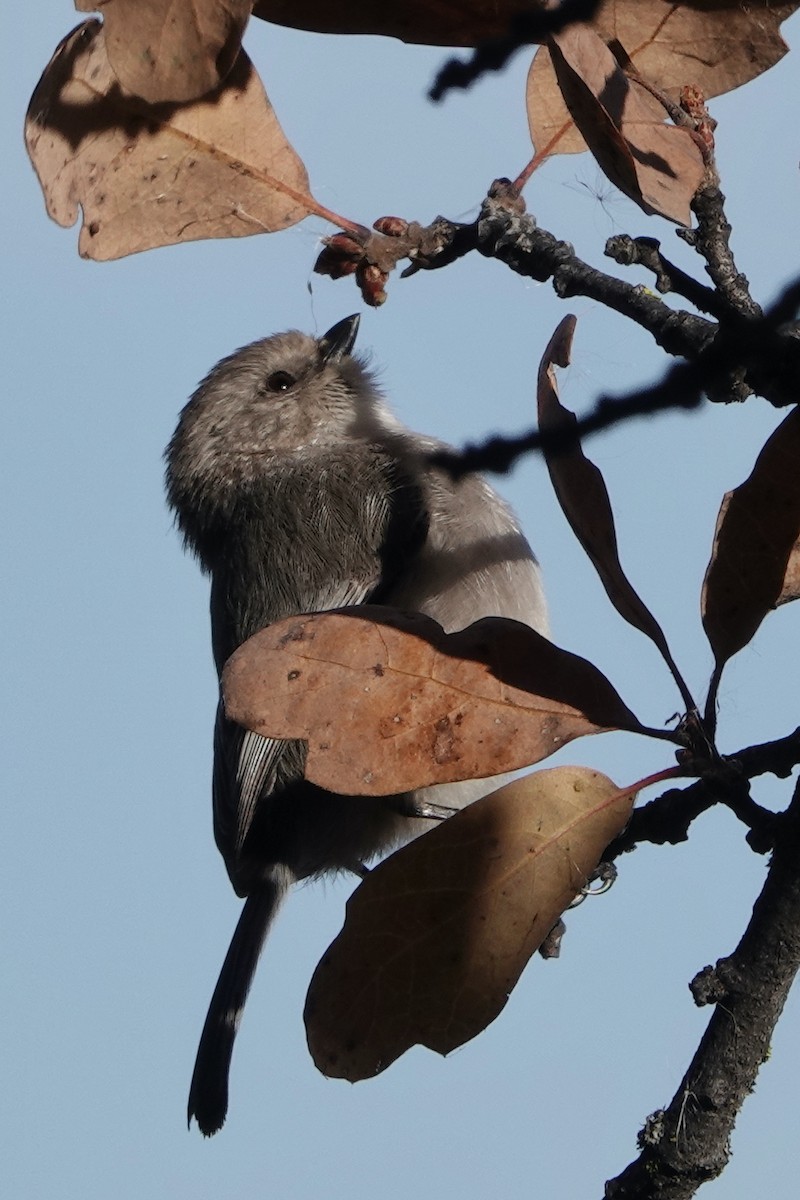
339	339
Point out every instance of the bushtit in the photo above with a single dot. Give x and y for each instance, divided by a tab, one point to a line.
299	491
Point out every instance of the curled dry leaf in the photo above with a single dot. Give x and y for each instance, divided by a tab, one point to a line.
153	175
437	935
388	702
425	22
717	45
755	562
171	52
583	496
658	166
551	126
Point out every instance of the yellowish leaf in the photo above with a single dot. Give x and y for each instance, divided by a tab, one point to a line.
437	935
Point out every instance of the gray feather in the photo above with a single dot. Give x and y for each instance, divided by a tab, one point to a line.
299	491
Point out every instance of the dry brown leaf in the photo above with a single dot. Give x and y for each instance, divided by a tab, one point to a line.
424	22
583	496
717	45
388	702
548	115
658	166
436	936
755	562
148	175
171	52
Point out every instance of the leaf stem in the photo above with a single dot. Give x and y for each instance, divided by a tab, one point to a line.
710	714
650	780
540	156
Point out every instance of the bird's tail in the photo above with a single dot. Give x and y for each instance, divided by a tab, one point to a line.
208	1094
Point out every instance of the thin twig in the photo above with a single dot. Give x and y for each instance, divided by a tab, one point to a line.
499	454
524	29
646	252
666	818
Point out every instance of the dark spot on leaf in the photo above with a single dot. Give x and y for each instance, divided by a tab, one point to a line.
297	633
443	743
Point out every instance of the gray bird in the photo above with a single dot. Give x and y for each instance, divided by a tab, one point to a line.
299	491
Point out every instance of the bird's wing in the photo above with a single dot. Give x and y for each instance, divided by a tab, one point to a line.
249	768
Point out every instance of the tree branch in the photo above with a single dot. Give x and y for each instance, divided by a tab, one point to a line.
729	359
711	239
688	1143
646	252
773	357
667	818
515	239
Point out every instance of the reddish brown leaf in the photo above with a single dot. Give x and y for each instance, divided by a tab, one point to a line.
153	175
755	562
171	52
388	702
656	165
717	45
437	936
583	497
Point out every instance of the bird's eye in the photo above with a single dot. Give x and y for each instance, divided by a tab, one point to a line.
279	381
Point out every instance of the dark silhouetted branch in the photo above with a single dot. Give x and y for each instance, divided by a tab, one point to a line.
688	1143
772	355
646	252
666	819
524	29
711	239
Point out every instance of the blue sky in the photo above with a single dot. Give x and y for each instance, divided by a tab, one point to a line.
117	907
